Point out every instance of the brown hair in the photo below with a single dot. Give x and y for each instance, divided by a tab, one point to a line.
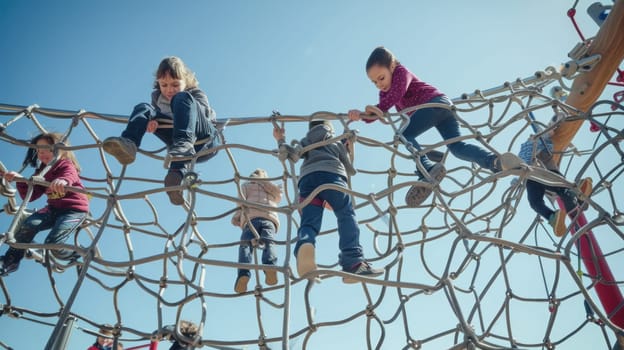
382	57
175	67
52	138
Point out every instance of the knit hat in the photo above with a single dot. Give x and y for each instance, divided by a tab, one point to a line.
314	123
106	330
259	173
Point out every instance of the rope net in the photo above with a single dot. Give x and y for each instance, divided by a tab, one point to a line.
472	267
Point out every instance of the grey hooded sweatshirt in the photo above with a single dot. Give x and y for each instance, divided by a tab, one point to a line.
332	158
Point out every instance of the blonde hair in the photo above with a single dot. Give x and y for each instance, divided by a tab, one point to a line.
175	67
52	138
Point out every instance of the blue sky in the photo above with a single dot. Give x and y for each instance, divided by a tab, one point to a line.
253	57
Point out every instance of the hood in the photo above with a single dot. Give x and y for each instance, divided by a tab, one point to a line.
318	133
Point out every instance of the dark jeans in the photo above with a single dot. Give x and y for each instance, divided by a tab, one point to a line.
189	125
448	127
312	216
266	230
535	194
62	223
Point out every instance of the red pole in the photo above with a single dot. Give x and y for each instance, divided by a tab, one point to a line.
607	289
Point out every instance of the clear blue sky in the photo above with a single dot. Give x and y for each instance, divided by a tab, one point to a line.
252	57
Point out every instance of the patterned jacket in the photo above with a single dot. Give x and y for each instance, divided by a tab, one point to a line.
261	192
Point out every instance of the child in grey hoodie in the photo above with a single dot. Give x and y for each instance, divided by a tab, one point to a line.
323	165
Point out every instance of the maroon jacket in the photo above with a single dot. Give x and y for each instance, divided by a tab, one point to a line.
63	169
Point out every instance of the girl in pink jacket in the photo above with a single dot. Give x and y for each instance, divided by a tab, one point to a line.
264	222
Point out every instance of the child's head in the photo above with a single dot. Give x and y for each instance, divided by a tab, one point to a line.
104	339
45	155
259	173
315	123
173	76
556	118
380	66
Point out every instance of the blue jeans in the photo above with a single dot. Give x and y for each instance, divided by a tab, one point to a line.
535	195
312	216
189	125
266	230
448	127
62	223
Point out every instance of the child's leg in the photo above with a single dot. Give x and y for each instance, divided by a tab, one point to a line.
311	219
420	121
41	220
185	116
349	233
448	127
65	223
205	129
137	124
245	250
535	195
570	202
244	256
124	148
556	218
266	229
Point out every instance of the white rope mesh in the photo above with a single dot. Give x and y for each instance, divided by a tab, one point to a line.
466	269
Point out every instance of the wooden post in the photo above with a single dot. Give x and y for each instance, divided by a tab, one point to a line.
609	43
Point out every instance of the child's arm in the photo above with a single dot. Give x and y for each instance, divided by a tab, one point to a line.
67	176
356	114
22	188
273	191
280	135
152	126
343	156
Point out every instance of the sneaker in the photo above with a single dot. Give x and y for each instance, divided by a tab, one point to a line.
270	277
506	161
174	178
241	284
586	187
557	221
7	267
305	259
121	148
182	149
418	193
362	268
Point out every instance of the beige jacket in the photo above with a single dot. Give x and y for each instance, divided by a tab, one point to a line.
261	192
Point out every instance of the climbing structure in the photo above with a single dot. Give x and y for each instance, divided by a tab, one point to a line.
472	267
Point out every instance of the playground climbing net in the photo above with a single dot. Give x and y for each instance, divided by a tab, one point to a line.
471	267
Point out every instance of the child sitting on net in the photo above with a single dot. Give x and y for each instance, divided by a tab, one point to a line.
328	164
65	210
176	97
264	222
536	151
401	89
